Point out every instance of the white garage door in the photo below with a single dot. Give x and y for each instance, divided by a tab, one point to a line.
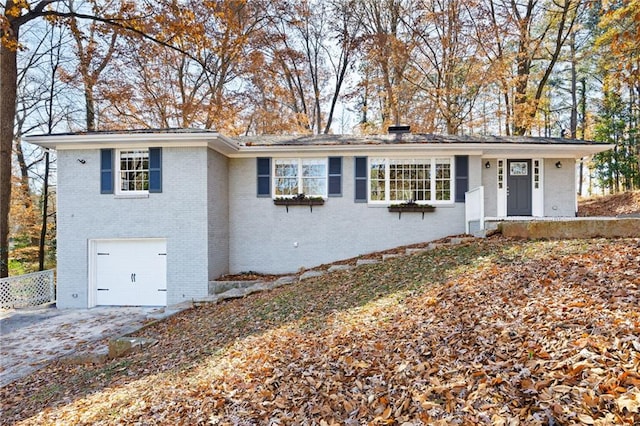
131	272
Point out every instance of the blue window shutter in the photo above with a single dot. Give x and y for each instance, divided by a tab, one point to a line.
155	169
335	176
106	171
361	180
462	177
264	176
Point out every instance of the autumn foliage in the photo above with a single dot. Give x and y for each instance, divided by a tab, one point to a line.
497	332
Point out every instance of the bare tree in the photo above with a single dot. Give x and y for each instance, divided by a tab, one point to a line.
389	45
448	66
95	46
347	26
123	16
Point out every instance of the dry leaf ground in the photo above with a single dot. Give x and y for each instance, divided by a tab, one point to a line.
625	203
497	332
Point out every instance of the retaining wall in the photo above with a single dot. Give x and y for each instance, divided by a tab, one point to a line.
580	228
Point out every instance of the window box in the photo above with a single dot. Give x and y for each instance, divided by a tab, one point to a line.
300	200
411	207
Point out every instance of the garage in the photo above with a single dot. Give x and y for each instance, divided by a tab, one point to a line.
129	272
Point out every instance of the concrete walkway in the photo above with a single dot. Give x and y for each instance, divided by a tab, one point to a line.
30	338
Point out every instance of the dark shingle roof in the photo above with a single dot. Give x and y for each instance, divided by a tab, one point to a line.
403	138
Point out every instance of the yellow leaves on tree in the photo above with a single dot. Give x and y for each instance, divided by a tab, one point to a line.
621	37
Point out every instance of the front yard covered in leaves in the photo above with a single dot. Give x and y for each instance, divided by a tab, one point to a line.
496	332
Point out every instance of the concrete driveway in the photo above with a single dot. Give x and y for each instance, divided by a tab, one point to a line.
30	338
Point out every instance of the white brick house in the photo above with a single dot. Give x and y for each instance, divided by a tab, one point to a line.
149	217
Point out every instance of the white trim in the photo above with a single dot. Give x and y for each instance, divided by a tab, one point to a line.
118	191
299	176
387	190
501	193
537	194
236	149
488	151
474	207
213	140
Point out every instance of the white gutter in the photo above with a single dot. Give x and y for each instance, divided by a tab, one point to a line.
232	149
213	140
486	150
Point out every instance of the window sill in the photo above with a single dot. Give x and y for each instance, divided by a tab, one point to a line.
131	196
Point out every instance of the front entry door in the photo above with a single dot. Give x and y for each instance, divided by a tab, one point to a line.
518	187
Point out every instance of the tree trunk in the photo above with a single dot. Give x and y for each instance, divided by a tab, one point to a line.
334	99
573	121
583	126
90	106
521	123
8	78
45	211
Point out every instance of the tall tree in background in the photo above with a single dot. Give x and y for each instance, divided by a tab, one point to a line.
307	51
389	45
123	15
447	60
619	44
346	27
42	104
537	31
193	85
95	45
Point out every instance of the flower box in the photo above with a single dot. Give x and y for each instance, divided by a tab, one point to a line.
411	208
299	201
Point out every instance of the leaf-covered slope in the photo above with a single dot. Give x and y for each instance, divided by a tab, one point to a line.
498	332
625	203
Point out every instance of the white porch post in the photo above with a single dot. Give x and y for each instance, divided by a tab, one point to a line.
537	189
501	197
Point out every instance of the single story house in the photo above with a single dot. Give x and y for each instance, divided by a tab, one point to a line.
150	217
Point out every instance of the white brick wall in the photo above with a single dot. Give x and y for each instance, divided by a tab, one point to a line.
262	235
490	183
215	224
218	213
178	214
560	187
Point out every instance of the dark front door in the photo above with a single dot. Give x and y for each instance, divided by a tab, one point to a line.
518	187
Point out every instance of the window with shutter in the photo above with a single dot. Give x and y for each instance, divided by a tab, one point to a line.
462	177
335	176
155	170
361	179
264	177
106	171
131	172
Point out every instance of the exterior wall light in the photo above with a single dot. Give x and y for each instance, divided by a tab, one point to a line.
487	165
558	165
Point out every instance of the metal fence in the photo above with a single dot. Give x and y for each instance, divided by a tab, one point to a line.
27	290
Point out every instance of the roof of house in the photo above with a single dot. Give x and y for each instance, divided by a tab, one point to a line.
395	143
402	138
